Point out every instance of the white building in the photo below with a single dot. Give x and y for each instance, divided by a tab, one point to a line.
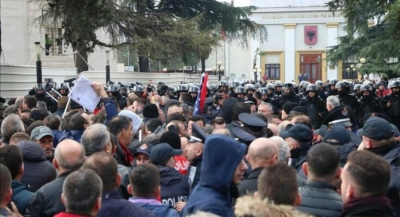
20	32
299	33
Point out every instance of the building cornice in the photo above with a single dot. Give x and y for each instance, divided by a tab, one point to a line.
289	25
332	25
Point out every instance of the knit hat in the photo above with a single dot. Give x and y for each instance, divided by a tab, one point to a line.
150	111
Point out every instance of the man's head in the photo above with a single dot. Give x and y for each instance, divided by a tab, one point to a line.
278	183
184	144
106	168
297	136
82	192
174	108
18	137
198	119
332	102
19	102
262	153
69	156
43	136
30	102
239	108
163	155
121	127
377	133
265	109
365	174
284	150
144	181
11	124
11	157
52	121
80	121
322	163
95	139
5	186
142	154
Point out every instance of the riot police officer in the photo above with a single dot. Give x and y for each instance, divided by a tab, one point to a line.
367	103
232	86
278	88
271	91
321	92
250	88
265	95
314	104
332	88
39	91
138	90
63	89
287	96
391	103
357	91
182	88
223	85
240	93
193	91
344	96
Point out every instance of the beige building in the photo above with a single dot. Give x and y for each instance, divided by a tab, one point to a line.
299	33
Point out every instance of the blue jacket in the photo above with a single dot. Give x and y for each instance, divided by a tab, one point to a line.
174	187
113	205
20	196
212	194
111	110
72	134
57	136
159	209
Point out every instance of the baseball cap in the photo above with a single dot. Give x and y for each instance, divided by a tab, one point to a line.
377	128
299	132
338	135
143	149
160	153
40	132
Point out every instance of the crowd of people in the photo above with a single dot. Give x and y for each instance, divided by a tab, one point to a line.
253	150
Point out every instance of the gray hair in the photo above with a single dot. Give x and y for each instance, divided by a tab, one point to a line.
152	139
80	183
208	129
70	165
95	138
185	109
266	104
282	125
284	150
11	124
12	109
223	131
41	105
333	101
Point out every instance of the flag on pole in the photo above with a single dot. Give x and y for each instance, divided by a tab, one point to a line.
201	95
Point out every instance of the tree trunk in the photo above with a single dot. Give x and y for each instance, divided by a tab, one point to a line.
203	65
144	64
80	64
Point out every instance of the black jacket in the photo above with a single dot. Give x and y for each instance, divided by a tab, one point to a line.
249	184
299	156
367	206
174	186
46	202
320	199
315	107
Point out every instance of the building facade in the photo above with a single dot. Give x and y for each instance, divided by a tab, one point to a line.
299	33
20	31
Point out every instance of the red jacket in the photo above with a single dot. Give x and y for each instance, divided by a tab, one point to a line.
66	214
382	93
181	164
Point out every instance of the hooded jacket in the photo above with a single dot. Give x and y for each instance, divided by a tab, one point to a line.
38	170
174	186
154	206
212	194
253	206
20	196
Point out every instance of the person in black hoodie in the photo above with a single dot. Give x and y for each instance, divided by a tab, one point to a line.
314	104
174	186
365	181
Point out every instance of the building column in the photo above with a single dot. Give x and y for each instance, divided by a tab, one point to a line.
255	44
290	47
332	40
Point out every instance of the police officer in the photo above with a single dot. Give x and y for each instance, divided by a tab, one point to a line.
193	91
240	93
391	103
344	96
223	85
321	92
357	91
39	91
265	95
314	104
287	96
332	88
278	88
250	88
182	88
113	90
123	89
368	103
63	89
271	91
232	86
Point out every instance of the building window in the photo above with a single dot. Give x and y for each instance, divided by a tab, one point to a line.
348	75
273	71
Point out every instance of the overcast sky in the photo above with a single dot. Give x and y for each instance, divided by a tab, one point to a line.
238	3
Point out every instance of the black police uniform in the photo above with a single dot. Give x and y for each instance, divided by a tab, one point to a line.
315	107
394	110
367	104
194	170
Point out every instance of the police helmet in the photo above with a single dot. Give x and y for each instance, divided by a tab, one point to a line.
182	88
223	84
366	87
305	85
333	82
63	86
193	89
112	88
138	88
311	87
341	85
357	87
41	87
395	84
240	89
319	83
270	86
263	91
250	87
278	84
234	84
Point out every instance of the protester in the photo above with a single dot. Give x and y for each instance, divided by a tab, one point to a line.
68	157
112	203
78	183
43	136
217	185
9	126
